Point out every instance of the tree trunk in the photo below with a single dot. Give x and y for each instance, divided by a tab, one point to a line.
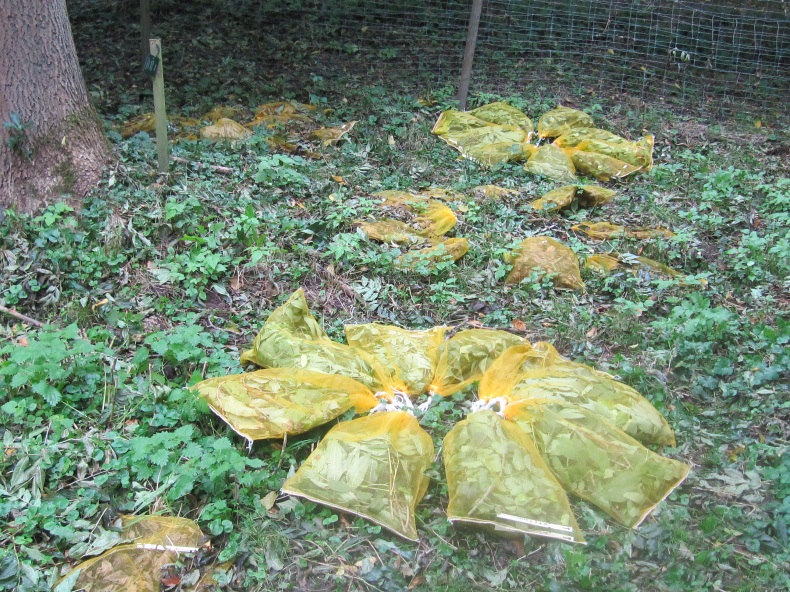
51	141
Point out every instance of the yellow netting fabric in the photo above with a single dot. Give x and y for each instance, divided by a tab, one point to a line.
442	251
150	543
496	478
641	267
561	121
587	196
483	141
597	461
498	133
278	401
462	359
373	467
606	230
552	162
225	129
419	222
281	113
549	256
408	356
539	372
291	338
503	114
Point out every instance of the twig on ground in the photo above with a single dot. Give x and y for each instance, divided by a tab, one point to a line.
21	317
214	167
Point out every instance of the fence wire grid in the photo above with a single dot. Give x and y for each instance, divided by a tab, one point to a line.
708	51
716	54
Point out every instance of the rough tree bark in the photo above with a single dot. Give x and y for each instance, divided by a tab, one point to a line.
57	147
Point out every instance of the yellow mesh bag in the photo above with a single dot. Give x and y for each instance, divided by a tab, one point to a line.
444	251
222	112
539	372
291	338
587	196
482	141
562	120
225	129
448	195
556	199
606	230
429	217
391	231
278	401
462	359
548	255
641	267
590	196
408	356
597	461
332	135
496	478
645	267
638	154
601	166
136	566
551	162
281	113
373	467
504	114
576	136
493	192
601	264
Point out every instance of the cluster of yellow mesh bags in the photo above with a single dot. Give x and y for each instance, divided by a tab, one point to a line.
562	426
498	133
223	124
419	223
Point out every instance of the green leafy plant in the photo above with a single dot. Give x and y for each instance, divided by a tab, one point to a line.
18	140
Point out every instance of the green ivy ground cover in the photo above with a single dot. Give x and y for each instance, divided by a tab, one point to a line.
157	282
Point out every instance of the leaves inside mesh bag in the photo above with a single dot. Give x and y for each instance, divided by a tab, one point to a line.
562	120
462	359
548	256
136	566
408	356
539	372
552	162
495	477
373	467
595	460
291	338
277	401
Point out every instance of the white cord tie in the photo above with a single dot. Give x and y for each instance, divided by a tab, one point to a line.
397	401
486	404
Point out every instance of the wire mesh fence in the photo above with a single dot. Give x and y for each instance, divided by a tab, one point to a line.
716	54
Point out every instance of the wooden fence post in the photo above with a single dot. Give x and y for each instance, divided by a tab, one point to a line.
163	157
469	52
